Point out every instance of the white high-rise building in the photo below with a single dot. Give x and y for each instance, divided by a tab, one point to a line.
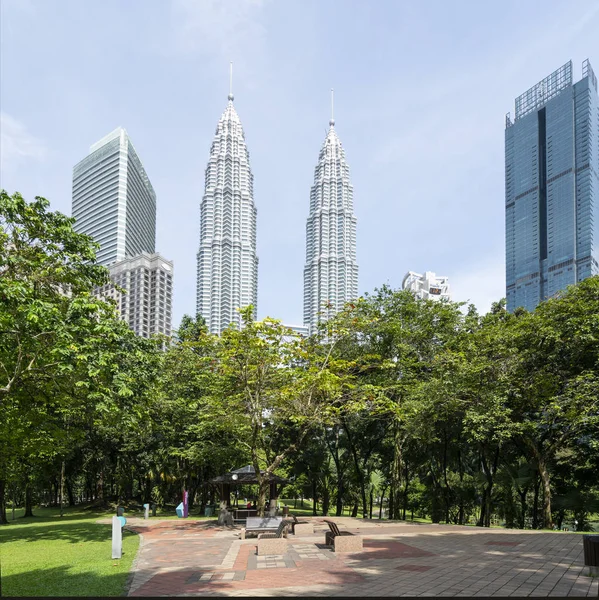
113	199
146	304
331	271
227	264
427	286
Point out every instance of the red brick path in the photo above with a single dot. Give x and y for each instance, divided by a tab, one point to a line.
197	558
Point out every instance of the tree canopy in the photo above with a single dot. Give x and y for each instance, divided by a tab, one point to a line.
398	406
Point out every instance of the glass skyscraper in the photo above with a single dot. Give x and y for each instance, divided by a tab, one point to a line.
113	199
115	204
552	187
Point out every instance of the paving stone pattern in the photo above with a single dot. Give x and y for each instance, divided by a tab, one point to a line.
199	558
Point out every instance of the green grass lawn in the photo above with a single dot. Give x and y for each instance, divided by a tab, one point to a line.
70	556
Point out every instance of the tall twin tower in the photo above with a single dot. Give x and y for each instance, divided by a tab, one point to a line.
227	275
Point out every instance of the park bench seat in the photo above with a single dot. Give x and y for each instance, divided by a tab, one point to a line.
342	541
261	525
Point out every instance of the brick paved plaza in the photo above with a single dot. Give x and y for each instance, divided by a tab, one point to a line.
178	558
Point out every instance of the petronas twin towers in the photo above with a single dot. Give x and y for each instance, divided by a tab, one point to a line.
227	263
227	260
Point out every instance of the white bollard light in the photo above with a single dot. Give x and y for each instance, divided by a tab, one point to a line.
117	538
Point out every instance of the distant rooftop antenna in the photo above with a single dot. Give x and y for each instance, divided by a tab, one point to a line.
231	80
332	121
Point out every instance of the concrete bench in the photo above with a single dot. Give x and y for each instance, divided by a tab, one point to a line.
300	527
273	543
342	541
260	525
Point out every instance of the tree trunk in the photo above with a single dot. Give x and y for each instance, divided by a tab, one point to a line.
326	500
381	504
446	488
371	501
545	479
61	492
359	470
489	471
483	509
396	474
70	494
461	473
354	512
3	519
334	450
405	491
314	494
522	493
535	506
28	499
262	499
340	493
100	488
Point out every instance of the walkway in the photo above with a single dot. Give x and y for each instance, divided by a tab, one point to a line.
178	558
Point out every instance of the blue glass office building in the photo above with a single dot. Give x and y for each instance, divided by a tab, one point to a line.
552	187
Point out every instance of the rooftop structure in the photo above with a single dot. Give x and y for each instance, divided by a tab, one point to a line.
428	286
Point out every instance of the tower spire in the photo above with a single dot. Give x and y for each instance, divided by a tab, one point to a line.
231	97
332	121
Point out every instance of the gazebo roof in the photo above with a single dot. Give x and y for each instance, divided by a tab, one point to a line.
245	475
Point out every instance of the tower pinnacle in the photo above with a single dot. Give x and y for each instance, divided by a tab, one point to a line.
332	121
231	97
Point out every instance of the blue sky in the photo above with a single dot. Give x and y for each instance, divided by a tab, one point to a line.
421	92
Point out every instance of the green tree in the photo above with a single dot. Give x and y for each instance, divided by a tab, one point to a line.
64	354
556	399
269	380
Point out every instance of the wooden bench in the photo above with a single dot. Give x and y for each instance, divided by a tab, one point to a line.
275	542
342	541
260	525
242	514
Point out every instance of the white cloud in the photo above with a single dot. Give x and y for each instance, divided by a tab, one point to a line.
228	28
17	144
481	283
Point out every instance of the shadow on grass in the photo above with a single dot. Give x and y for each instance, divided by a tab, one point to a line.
61	581
51	515
59	530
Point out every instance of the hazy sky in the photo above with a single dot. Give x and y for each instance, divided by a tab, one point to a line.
421	92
